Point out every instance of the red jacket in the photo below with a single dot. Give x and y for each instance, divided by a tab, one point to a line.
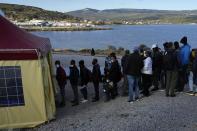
61	76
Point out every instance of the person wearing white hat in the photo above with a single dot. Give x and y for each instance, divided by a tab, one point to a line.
154	46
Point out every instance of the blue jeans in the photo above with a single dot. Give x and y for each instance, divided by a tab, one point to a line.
133	87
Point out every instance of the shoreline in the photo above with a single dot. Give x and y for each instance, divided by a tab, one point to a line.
78	54
36	28
87	52
65	28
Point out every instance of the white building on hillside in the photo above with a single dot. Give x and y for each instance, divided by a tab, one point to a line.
36	22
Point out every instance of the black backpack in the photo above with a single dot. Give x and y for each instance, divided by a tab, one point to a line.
119	77
169	60
89	75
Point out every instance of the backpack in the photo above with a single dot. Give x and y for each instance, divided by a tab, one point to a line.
89	75
119	77
169	60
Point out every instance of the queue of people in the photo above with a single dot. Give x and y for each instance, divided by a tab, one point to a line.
170	69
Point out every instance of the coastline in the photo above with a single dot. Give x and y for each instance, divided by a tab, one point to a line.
65	28
38	28
87	52
77	54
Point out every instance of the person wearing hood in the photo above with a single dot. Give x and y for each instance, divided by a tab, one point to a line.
184	60
74	76
61	80
96	78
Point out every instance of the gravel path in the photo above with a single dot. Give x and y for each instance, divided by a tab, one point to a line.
154	113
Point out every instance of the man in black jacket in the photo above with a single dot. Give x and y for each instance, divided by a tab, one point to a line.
96	78
85	78
157	66
61	80
171	66
133	70
74	76
114	74
124	89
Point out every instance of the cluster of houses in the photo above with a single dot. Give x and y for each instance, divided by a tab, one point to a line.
42	23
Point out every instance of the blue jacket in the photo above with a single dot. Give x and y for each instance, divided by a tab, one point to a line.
185	54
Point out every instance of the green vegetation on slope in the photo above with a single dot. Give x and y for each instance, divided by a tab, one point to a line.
133	15
22	13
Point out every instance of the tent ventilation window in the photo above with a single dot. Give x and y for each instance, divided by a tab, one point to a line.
11	87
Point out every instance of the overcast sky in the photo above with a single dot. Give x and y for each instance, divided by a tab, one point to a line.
69	5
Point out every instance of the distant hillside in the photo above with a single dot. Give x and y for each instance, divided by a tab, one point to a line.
21	13
137	14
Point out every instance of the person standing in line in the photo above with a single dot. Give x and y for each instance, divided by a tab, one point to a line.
61	80
177	51
191	73
124	89
96	78
184	60
74	76
163	73
85	78
133	69
147	73
171	66
115	74
157	66
141	50
195	75
107	84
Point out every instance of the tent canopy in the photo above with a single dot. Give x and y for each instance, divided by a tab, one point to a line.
18	44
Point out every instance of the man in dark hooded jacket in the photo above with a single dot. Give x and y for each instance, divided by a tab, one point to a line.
85	78
157	66
96	78
185	59
74	76
124	89
114	74
133	69
61	80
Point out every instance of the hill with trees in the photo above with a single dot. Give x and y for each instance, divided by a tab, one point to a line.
136	15
22	13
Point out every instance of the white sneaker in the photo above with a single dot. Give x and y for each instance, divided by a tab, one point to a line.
84	101
131	102
137	100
